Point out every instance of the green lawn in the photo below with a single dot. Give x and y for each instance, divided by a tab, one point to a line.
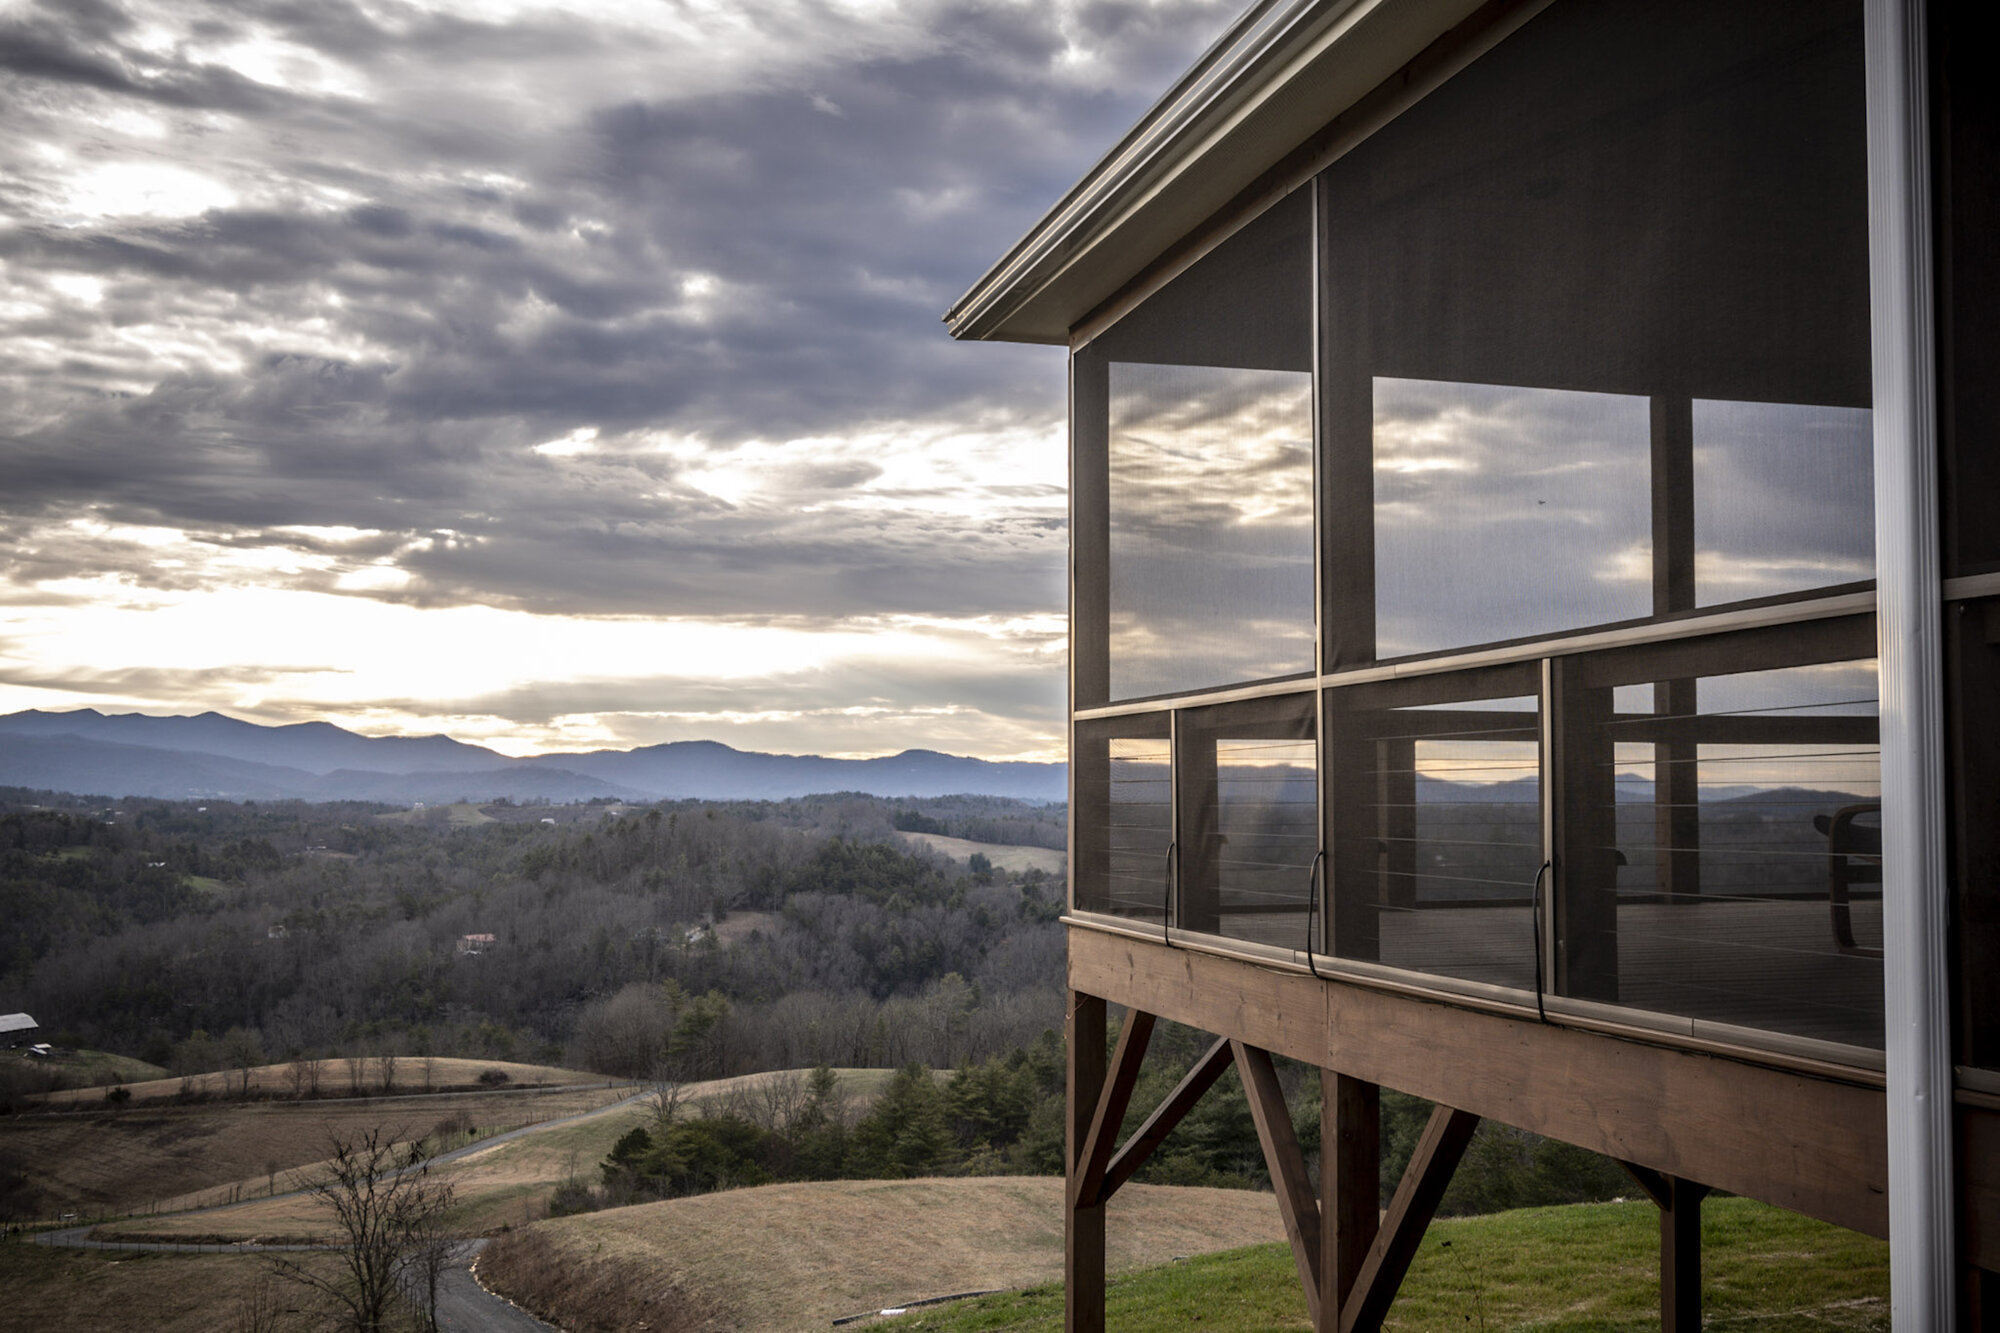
1590	1268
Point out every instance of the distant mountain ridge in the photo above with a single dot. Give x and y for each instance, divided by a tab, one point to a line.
224	758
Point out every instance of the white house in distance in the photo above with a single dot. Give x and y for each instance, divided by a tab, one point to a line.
1534	607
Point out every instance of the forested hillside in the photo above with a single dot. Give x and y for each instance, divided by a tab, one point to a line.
792	932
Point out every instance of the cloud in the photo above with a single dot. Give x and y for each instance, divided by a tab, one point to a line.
560	309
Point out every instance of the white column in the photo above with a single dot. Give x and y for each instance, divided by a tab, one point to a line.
1915	901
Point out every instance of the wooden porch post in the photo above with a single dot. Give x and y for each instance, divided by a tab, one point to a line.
1410	1212
1083	1219
1680	1256
1679	1202
1350	1186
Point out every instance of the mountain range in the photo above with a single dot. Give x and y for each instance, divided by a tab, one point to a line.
224	758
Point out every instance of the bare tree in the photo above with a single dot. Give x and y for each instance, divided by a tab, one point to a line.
243	1052
666	1090
303	1075
389	1211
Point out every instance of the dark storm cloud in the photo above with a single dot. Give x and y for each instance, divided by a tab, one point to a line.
475	236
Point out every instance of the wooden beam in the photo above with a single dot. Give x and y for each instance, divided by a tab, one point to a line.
1083	1227
1287	1164
1410	1213
1170	1113
1350	1175
1817	1146
1086	1182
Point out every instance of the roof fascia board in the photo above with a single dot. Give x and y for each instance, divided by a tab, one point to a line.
1233	116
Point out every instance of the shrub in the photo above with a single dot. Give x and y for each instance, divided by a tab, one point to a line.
571	1197
493	1078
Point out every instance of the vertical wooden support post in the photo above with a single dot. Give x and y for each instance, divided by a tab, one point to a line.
1673	504
1677	793
1583	889
1680	1256
1083	1222
1676	813
1396	827
1350	1186
1424	1180
1354	851
1197	802
1679	1202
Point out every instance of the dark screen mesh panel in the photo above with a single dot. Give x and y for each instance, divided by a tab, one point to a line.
1124	796
1967	99
1507	475
1721	847
1193	443
1784	499
1437	824
1250	820
1531	279
1211	525
1973	721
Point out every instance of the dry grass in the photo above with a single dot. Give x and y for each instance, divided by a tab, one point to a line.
794	1256
88	1071
1004	856
740	926
458	814
337	1078
501	1185
598	1298
509	1183
84	1291
109	1163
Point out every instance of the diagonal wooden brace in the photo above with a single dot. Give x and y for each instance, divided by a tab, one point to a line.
1287	1164
1086	1182
1410	1212
1170	1113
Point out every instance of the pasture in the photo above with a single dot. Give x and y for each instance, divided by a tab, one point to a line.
786	1257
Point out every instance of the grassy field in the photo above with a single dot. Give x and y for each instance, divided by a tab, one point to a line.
786	1257
84	1291
88	1071
457	814
504	1184
1591	1268
368	1077
105	1163
1003	855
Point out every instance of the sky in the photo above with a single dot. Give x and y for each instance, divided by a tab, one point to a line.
553	376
